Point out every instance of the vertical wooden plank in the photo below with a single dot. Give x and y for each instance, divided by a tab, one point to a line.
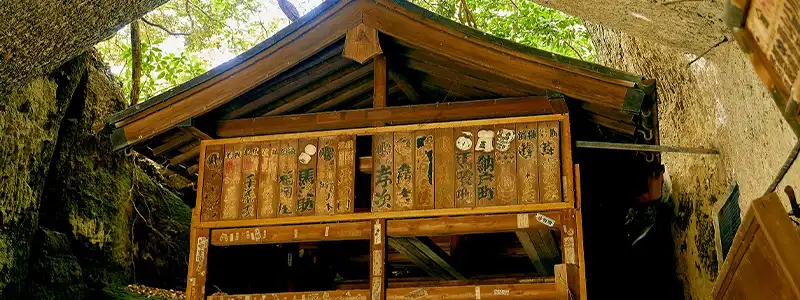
567	178
382	174
465	167
404	164
485	167
250	159
306	176
549	162
212	183
445	168
345	174
231	181
506	160
423	187
198	263
287	177
562	282
379	90
378	260
268	180
326	176
528	163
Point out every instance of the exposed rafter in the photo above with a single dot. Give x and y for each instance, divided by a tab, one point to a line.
426	255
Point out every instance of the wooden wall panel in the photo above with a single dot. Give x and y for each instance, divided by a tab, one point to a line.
268	180
404	164
549	162
485	165
382	174
445	168
528	163
250	160
306	176
345	174
232	181
212	183
424	170
506	164
465	166
326	176
287	177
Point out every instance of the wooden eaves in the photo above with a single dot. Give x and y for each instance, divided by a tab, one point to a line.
408	25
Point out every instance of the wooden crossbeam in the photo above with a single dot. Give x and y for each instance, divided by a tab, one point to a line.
426	255
185	156
405	85
465	77
291	234
461	225
451	111
172	144
540	248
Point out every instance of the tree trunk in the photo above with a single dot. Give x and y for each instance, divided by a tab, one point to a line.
136	65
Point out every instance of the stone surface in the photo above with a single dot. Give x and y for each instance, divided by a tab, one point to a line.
38	36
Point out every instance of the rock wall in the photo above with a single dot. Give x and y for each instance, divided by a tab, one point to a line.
715	102
84	220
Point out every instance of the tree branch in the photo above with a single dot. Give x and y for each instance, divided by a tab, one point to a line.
574	50
136	66
159	26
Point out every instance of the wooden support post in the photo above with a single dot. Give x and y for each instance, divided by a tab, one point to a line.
571	243
425	254
198	263
562	282
377	259
379	98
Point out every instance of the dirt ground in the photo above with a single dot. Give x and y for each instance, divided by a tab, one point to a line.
716	102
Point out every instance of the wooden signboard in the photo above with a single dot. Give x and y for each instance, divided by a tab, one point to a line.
268	180
326	176
306	177
287	178
212	183
232	181
485	165
383	174
404	164
250	160
444	171
506	164
528	163
465	171
345	174
423	187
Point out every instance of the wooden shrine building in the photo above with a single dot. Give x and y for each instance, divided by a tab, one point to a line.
374	150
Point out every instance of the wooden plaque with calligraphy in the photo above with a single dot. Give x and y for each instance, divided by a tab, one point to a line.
326	176
465	166
445	168
506	164
268	180
424	170
382	174
212	183
549	162
404	164
287	178
232	181
485	166
248	206
306	176
345	174
528	163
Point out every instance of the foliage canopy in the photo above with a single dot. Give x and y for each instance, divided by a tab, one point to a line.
184	38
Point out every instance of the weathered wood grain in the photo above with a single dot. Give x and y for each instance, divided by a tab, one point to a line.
465	166
248	206
198	263
404	164
326	176
361	43
287	178
377	259
345	174
383	172
506	164
528	163
424	161
268	180
485	167
292	234
445	168
231	181
549	162
212	183
306	176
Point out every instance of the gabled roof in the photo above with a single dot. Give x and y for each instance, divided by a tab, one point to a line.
301	69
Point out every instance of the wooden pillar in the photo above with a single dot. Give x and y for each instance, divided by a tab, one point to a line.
377	259
572	254
198	263
379	98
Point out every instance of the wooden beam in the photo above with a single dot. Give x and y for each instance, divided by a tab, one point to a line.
540	207
348	94
539	250
524	106
291	234
404	282
405	85
525	291
194	131
562	282
186	156
466	77
291	49
361	43
444	226
193	169
426	255
321	91
643	147
172	144
377	258
379	91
